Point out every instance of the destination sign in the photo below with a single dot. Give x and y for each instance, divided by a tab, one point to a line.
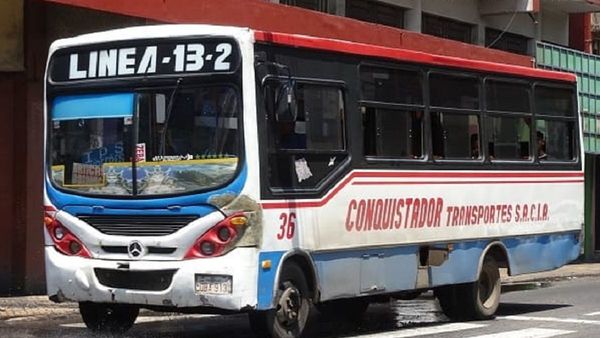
145	59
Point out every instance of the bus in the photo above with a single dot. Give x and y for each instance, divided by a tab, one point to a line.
210	169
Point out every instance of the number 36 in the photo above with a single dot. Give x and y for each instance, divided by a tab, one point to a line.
288	225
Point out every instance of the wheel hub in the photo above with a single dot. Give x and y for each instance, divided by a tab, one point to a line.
289	306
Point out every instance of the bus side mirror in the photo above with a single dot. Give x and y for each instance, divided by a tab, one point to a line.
286	108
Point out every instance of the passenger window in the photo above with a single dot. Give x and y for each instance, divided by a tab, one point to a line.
556	123
509	137
391	85
455	136
555	140
306	138
554	101
454	91
507	96
393	133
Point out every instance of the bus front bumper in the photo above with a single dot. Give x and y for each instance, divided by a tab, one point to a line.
71	278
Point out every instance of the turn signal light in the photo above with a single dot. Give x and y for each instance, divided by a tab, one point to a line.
220	238
64	241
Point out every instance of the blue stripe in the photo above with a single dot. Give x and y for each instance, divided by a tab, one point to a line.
62	200
266	278
348	273
92	106
542	253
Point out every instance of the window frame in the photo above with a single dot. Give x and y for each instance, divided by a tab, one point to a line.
479	112
270	149
575	119
364	104
488	114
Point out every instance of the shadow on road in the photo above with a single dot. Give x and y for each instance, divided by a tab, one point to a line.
511	309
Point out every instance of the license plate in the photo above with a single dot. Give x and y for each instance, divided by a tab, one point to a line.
214	284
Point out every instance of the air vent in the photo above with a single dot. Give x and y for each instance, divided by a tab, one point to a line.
129	225
156	280
117	249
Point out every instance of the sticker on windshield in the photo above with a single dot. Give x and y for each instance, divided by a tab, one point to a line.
302	170
87	174
140	152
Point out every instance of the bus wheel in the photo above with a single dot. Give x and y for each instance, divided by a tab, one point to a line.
109	318
473	301
483	296
288	319
448	298
351	309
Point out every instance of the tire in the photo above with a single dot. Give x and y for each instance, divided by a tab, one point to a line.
293	304
483	296
108	318
473	301
347	309
448	298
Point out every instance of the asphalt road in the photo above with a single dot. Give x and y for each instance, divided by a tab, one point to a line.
567	308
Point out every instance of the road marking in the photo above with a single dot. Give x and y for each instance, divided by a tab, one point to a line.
423	331
527	333
552	319
592	314
147	319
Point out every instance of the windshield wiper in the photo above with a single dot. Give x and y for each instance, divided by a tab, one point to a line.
163	136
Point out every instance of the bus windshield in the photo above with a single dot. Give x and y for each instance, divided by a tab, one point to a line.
141	143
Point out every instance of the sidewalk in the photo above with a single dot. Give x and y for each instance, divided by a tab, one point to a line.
29	307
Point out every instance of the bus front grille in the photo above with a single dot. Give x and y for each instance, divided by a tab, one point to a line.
130	225
154	280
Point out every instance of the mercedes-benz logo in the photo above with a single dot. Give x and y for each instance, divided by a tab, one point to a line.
136	249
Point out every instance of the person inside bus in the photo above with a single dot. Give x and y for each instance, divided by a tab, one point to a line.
474	146
541	146
437	136
416	134
523	133
289	138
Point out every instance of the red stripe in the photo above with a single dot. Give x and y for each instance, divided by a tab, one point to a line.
49	208
406	55
459	182
447	174
388	174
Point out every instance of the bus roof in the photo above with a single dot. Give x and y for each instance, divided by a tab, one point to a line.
348	47
311	42
149	32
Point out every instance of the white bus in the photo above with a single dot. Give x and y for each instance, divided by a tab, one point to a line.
200	168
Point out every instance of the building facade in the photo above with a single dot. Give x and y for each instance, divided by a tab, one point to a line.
510	31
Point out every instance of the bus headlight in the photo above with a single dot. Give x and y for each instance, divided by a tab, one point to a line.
219	239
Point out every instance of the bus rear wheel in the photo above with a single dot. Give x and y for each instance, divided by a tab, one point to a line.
473	301
290	316
108	318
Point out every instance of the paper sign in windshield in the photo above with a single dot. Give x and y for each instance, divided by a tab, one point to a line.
87	174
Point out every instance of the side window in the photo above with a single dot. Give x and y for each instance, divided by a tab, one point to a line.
455	118
391	85
455	136
555	125
393	133
392	107
306	133
508	123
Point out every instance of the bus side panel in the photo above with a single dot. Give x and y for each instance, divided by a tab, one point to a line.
541	253
267	277
461	266
364	272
